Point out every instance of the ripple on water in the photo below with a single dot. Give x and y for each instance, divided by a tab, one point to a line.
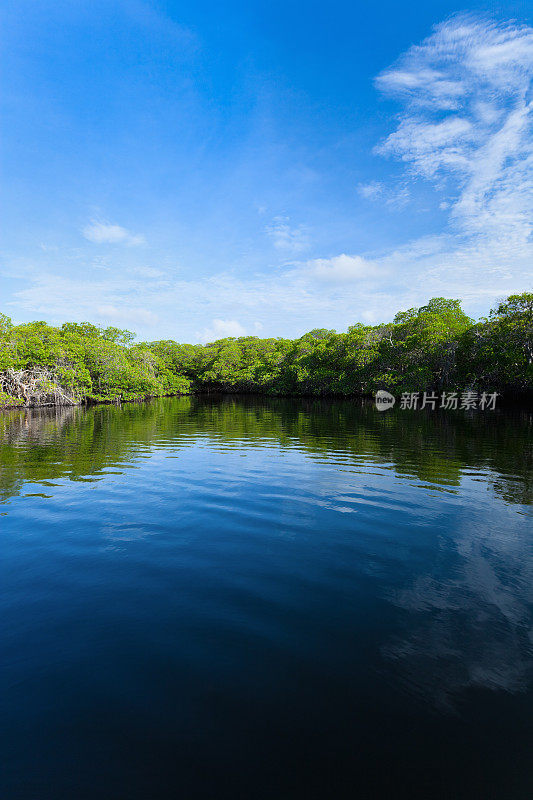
259	594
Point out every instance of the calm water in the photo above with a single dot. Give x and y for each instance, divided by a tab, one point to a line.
251	598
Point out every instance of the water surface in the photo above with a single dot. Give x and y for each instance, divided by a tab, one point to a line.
252	598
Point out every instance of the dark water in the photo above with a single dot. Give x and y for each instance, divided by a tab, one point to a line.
251	598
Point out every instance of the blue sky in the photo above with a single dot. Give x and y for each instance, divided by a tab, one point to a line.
194	170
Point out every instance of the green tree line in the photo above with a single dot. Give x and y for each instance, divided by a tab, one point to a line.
436	347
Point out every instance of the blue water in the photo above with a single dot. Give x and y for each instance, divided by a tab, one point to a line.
250	598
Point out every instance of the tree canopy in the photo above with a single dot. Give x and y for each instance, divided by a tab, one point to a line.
436	347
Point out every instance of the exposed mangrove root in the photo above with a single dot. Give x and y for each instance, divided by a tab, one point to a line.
37	386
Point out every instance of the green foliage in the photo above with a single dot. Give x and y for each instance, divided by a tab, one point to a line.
5	325
8	401
89	363
432	348
499	350
118	335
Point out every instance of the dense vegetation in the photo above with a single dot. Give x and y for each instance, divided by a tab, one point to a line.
435	347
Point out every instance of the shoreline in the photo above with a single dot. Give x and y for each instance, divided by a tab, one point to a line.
522	400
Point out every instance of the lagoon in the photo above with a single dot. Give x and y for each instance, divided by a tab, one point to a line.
223	596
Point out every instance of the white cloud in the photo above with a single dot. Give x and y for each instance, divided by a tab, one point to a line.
371	191
107	233
331	293
467	119
220	329
148	272
434	643
395	197
114	301
341	269
286	237
431	146
123	315
464	126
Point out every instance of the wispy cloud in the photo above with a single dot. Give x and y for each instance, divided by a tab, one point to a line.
467	99
220	329
463	128
395	197
341	269
334	292
107	233
112	300
126	315
286	237
371	191
148	272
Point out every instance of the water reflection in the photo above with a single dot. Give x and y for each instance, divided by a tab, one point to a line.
440	450
196	589
468	622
